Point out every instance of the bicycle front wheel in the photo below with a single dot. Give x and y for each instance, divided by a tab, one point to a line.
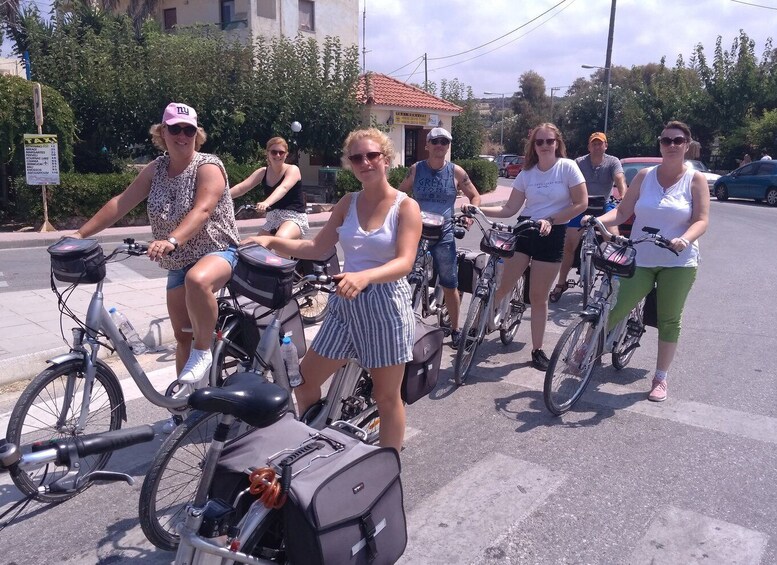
313	308
49	408
233	352
471	336
172	480
635	327
570	367
514	313
588	277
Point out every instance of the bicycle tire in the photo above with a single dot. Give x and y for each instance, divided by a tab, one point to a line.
635	327
41	402
565	380
172	480
230	355
313	308
515	313
587	277
471	335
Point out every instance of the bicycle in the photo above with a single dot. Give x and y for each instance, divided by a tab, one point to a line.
582	344
79	393
68	453
313	306
171	482
498	242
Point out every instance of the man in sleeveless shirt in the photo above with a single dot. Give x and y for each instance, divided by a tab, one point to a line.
435	183
601	172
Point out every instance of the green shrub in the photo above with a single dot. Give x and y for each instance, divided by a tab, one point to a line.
482	173
347	182
397	175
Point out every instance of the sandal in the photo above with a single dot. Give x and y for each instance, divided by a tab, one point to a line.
559	289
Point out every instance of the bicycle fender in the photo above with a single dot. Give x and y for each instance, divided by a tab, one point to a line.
589	315
78	356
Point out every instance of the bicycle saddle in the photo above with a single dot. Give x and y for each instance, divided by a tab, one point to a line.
245	396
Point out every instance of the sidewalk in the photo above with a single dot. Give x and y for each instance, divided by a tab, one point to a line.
30	321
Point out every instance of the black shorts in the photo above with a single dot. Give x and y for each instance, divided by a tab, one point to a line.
549	249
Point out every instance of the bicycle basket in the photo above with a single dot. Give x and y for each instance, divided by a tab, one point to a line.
432	226
263	276
615	259
501	243
76	260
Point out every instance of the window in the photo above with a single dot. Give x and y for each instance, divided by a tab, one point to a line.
307	15
170	19
265	9
227	12
767	169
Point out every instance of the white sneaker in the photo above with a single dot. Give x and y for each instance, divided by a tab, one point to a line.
196	368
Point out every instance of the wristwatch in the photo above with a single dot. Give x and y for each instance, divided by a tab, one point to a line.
174	242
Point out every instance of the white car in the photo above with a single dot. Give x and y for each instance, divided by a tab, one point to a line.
704	169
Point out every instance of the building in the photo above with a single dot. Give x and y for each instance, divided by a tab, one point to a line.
244	19
407	111
12	66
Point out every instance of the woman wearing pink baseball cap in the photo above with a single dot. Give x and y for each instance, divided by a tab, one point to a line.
195	235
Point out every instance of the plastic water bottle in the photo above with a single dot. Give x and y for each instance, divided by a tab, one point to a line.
500	267
128	332
291	360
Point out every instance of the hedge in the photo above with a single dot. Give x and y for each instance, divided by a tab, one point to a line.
483	174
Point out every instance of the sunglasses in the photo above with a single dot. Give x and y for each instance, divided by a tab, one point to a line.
277	153
667	141
440	141
359	157
539	142
188	131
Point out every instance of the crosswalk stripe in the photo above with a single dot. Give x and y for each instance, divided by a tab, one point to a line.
461	519
682	536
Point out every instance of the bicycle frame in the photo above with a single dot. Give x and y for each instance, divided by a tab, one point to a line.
422	267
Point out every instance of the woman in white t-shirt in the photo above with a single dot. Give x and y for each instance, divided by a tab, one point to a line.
553	190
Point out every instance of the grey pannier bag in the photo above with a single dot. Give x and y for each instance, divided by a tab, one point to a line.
345	503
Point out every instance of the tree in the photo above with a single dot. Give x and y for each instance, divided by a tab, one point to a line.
466	128
531	107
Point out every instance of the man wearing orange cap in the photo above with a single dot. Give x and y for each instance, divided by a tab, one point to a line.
601	172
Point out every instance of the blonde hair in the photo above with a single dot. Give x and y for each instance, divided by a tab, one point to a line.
159	141
277	141
530	150
374	134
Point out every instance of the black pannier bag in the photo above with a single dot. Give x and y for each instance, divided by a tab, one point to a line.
422	371
470	265
76	260
345	504
331	264
263	276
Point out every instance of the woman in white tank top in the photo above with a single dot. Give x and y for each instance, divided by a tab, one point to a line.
370	316
675	199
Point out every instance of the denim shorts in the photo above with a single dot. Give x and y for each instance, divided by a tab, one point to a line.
444	257
177	277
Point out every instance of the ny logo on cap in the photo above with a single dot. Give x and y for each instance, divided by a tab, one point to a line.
183	110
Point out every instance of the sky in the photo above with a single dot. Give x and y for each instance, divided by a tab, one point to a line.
571	33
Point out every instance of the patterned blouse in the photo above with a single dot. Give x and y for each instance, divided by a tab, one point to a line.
171	199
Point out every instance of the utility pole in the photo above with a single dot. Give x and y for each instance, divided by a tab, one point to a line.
426	74
608	63
364	38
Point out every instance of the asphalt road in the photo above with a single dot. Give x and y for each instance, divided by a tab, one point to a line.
490	477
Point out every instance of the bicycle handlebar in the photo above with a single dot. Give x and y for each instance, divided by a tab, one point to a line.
473	211
651	234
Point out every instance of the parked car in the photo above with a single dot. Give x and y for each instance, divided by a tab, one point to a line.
514	166
705	170
486	157
501	162
632	165
756	181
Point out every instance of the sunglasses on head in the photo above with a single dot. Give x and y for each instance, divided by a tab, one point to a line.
667	141
277	152
440	141
359	157
188	131
539	142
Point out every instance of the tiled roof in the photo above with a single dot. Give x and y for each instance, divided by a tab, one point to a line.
387	91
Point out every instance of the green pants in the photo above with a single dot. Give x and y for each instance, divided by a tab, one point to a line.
672	287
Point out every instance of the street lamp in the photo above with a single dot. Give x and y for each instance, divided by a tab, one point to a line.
502	121
607	71
552	90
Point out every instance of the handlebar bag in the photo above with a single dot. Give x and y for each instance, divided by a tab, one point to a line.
470	265
345	504
76	260
432	225
422	371
619	260
331	264
263	276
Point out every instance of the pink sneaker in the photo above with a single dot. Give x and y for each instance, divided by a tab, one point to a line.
658	391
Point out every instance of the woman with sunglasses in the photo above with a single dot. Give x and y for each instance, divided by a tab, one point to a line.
281	185
675	199
550	188
193	226
370	316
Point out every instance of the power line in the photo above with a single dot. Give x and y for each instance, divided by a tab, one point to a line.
406	65
755	5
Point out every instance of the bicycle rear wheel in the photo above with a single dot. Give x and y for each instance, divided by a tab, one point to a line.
471	335
41	406
570	367
635	327
514	313
172	480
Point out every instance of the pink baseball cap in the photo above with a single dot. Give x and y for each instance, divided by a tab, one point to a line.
177	113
